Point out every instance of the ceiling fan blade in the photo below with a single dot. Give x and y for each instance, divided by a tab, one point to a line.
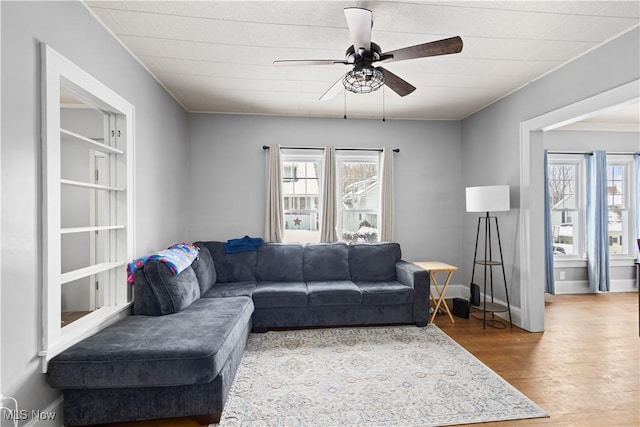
395	83
305	62
440	47
359	22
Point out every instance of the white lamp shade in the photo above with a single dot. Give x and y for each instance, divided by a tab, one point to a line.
490	198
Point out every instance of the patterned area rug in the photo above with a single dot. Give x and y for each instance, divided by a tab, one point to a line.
373	376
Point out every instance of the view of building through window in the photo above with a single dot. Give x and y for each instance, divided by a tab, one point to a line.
616	201
564	208
301	196
359	201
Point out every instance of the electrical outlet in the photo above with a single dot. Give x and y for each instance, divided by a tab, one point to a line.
562	275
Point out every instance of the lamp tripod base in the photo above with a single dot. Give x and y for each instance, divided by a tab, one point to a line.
493	321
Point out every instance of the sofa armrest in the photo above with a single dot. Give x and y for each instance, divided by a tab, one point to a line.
418	278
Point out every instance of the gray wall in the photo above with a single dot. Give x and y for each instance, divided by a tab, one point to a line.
491	137
161	142
228	174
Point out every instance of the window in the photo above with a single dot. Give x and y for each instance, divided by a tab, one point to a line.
619	202
567	212
568	204
359	198
88	210
301	195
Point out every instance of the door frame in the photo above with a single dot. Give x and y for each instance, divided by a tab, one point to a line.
531	229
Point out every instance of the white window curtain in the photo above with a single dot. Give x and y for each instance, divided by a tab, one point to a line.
274	212
597	222
386	195
329	213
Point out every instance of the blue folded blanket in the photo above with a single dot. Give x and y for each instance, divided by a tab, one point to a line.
243	244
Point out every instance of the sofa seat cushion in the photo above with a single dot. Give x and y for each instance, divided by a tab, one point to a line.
326	261
189	347
372	262
385	293
342	292
280	262
280	294
235	289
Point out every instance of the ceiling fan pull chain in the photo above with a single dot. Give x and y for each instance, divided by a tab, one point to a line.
345	104
383	110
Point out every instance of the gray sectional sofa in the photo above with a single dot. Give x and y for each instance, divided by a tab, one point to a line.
178	353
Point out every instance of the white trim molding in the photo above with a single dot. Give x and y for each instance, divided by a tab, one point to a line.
59	75
530	235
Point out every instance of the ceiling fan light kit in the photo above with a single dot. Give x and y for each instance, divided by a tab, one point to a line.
364	77
363	80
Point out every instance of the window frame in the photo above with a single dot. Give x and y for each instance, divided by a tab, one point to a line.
372	157
629	191
58	73
579	162
293	156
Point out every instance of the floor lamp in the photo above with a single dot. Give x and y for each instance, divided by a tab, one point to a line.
493	198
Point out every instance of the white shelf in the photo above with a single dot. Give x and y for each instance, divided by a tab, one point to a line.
88	271
71	230
87	185
98	145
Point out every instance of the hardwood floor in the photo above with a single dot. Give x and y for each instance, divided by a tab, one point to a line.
583	371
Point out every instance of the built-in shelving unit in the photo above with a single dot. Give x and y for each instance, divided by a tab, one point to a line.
88	234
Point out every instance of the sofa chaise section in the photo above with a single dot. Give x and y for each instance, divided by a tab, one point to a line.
177	363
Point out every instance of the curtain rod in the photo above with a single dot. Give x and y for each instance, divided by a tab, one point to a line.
590	153
395	150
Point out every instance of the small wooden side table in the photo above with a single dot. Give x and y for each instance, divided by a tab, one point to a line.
434	267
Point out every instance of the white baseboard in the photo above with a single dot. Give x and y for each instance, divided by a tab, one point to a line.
53	410
582	286
624	285
563	287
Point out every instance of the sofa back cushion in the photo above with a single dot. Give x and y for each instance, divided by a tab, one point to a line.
173	293
204	268
326	262
280	262
373	261
230	268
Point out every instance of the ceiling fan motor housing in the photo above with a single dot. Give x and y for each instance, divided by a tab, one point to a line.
363	57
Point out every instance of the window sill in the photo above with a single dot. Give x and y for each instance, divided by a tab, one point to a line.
570	262
83	328
614	261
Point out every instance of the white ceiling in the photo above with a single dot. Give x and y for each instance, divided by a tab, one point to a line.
621	118
216	56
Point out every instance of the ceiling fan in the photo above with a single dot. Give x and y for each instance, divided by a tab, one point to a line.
364	77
